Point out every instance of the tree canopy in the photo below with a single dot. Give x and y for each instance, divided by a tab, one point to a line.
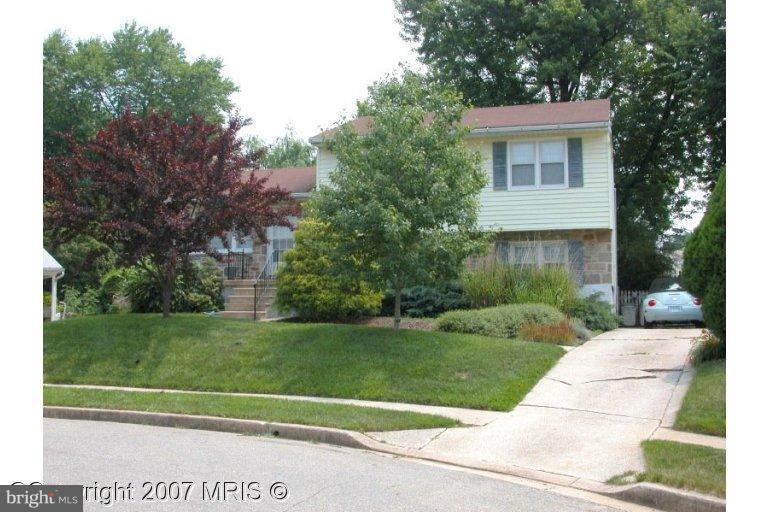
86	83
404	197
662	63
160	191
287	150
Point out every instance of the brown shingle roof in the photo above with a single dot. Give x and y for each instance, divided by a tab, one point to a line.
293	179
536	114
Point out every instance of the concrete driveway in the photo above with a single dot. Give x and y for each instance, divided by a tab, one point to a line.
587	417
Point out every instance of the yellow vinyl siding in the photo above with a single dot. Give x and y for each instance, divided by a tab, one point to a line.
326	162
586	207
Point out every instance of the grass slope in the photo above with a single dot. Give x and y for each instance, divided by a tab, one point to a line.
350	417
686	466
703	408
212	354
681	465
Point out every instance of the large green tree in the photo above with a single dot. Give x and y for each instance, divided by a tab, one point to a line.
404	197
287	150
89	82
662	63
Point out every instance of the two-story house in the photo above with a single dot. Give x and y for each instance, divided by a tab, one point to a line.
549	196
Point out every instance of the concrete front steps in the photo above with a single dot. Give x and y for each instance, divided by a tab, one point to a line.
239	298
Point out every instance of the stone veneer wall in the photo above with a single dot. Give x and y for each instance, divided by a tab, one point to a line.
597	249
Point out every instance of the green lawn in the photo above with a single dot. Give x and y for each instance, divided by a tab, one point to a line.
703	409
350	417
685	466
351	361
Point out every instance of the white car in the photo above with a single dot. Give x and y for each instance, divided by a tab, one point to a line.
668	302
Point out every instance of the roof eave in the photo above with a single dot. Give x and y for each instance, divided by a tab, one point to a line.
505	130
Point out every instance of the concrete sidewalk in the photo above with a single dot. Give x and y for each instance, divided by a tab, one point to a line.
587	417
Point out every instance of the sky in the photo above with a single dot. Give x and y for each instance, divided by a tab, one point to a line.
297	62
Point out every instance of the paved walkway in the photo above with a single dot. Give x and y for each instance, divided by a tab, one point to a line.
587	417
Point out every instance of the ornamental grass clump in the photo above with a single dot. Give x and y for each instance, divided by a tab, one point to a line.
497	283
560	333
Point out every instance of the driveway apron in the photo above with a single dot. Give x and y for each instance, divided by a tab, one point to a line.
587	417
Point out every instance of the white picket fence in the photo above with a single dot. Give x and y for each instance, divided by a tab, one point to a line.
629	306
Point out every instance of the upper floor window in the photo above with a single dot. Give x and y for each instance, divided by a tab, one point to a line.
537	164
552	162
523	164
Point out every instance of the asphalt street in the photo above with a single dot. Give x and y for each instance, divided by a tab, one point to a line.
175	469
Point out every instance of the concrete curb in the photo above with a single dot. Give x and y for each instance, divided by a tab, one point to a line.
652	495
237	426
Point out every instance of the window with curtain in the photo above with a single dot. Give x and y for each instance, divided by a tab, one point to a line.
523	164
552	157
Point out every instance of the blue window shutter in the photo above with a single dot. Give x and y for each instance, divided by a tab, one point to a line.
576	260
499	166
575	163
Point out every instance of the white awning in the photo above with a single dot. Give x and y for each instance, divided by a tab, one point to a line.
51	267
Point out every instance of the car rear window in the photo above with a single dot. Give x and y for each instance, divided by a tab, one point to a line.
666	284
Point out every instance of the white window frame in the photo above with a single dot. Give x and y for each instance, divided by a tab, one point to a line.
537	165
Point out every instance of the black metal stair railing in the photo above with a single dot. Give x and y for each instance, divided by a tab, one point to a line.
265	279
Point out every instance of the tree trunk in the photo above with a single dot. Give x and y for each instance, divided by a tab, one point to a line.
398	293
167	291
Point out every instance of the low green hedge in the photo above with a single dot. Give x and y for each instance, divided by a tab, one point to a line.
596	314
500	321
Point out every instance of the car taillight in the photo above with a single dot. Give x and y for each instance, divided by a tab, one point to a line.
697	301
651	303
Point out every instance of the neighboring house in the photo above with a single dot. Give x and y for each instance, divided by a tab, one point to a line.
242	261
549	197
52	270
550	191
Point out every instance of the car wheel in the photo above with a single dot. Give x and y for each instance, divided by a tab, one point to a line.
648	325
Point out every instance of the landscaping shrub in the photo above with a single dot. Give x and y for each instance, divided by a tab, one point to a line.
580	330
497	283
427	301
708	348
198	288
704	264
499	321
86	302
319	285
560	333
596	314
